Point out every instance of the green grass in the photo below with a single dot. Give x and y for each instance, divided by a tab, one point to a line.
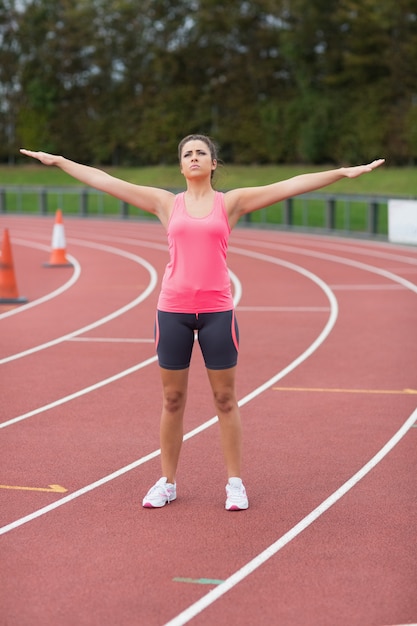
351	215
385	181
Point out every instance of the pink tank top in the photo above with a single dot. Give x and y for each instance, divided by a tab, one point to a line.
196	279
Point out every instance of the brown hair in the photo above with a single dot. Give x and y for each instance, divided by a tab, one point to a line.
209	143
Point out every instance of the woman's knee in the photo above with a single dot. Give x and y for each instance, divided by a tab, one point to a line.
174	386
174	400
224	400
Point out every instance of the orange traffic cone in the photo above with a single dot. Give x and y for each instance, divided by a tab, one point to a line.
8	286
58	255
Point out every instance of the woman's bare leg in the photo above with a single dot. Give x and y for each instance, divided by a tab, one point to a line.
174	387
223	386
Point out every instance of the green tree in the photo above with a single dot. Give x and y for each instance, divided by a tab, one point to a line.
376	78
112	81
9	83
57	64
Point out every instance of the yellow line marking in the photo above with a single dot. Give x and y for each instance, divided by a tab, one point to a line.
50	488
389	391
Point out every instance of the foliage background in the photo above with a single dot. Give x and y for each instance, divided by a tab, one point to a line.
119	82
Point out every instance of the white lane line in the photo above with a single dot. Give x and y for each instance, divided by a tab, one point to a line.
106	381
238	291
347	287
156	453
302	357
342	243
53	294
260	559
111	340
204	602
237	288
78	493
336	259
371	248
285	309
151	286
79	393
237	577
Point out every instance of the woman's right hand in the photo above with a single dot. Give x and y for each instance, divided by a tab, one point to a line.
43	157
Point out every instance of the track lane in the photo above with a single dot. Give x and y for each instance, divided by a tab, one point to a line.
85	295
253	393
37	278
194	453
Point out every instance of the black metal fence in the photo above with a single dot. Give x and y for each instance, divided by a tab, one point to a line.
325	211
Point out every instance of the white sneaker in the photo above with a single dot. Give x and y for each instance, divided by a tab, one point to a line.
160	494
237	499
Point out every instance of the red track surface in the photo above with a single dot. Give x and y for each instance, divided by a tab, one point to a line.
327	381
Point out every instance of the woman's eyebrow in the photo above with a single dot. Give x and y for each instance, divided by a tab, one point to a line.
199	151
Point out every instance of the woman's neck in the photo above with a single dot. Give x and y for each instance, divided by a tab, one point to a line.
197	189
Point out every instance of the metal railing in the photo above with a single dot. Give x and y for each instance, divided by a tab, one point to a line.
324	211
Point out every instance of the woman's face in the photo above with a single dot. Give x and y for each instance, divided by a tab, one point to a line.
196	159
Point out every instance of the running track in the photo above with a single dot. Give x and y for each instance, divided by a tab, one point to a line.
328	389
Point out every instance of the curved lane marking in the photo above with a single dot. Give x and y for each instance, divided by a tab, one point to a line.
242	573
151	286
193	610
302	357
105	381
189	435
53	294
336	259
270	551
207	424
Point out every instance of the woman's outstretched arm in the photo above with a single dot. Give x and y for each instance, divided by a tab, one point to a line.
151	199
248	199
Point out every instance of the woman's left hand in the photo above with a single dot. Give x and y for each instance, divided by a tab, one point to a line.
358	170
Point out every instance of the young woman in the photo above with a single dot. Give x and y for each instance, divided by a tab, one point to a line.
196	293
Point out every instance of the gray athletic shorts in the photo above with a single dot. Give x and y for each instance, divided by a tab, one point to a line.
218	336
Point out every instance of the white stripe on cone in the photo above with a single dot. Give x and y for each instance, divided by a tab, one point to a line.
58	237
58	256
